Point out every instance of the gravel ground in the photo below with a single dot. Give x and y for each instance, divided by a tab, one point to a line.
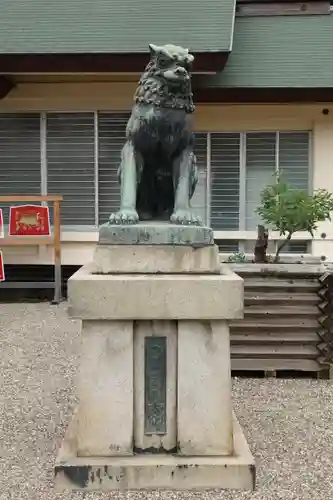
289	423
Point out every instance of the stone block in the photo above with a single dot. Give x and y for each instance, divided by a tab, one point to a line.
150	297
105	389
204	388
168	472
152	259
154	384
155	233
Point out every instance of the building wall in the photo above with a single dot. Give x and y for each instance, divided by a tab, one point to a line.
117	96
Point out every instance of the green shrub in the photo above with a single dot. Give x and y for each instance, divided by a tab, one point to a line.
288	210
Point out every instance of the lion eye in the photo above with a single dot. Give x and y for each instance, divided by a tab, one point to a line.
163	61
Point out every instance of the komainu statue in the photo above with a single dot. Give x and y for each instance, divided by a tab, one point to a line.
158	172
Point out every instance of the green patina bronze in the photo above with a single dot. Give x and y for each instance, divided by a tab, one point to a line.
156	233
158	172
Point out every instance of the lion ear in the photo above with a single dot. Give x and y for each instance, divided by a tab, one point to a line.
154	49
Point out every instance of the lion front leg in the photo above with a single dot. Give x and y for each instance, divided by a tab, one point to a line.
128	170
183	178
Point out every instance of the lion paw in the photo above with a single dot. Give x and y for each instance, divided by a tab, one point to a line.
125	216
185	217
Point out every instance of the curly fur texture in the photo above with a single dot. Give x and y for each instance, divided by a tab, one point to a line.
154	89
158	155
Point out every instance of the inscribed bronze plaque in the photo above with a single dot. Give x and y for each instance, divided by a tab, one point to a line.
155	385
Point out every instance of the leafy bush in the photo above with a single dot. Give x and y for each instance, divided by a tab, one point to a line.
288	210
237	257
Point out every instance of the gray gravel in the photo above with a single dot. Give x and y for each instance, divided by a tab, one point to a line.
289	423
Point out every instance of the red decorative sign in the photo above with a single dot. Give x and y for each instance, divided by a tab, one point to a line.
2	233
2	269
29	220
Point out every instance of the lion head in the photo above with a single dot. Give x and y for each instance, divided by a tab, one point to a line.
166	81
172	63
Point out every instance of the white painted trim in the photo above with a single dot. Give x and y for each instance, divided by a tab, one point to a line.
96	162
242	182
277	168
43	156
311	164
80	237
43	169
277	153
252	235
242	188
208	180
224	256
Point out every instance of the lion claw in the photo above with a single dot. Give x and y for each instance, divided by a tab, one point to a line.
124	217
186	218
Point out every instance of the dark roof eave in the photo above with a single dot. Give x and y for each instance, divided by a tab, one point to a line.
205	62
6	85
262	95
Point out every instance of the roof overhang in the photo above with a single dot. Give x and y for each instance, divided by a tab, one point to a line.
114	37
204	62
263	95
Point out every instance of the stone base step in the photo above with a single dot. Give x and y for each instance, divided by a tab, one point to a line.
158	471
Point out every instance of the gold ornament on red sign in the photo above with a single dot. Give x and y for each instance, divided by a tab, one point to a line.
29	220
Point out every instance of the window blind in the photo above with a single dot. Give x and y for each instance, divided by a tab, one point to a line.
225	181
260	170
199	199
20	171
111	139
294	158
70	165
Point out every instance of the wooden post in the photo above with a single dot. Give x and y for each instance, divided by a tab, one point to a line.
260	248
57	253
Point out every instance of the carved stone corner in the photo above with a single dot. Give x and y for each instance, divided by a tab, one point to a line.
6	85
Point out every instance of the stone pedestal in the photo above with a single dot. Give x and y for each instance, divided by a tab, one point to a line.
154	383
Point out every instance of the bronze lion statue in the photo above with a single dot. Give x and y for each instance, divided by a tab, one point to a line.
158	172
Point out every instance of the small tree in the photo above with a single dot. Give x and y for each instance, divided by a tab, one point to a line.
289	210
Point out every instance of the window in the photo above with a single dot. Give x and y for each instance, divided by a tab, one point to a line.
294	158
242	165
225	181
19	155
260	167
268	154
70	165
78	155
199	199
111	138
